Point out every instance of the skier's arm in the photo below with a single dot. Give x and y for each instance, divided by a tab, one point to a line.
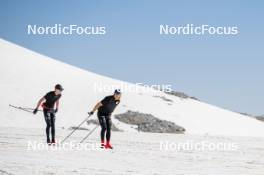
40	101
57	104
97	106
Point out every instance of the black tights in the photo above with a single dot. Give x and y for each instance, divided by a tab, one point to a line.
105	123
50	121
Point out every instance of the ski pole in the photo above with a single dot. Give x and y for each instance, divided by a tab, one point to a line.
89	134
30	109
20	108
75	129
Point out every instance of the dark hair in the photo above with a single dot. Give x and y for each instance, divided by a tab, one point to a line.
117	91
59	87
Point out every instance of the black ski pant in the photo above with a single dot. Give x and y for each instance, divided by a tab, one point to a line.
105	123
49	116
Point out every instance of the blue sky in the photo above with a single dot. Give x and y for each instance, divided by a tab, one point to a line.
222	70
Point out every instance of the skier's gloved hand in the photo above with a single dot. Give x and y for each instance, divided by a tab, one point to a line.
35	111
90	113
56	110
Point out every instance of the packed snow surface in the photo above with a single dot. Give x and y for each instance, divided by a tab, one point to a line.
133	153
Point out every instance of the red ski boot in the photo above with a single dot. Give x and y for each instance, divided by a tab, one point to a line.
108	145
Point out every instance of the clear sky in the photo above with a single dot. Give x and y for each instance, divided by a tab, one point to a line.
222	70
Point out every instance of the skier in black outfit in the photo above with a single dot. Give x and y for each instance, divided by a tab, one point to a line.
51	99
105	109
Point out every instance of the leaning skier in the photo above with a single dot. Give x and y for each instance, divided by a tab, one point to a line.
105	109
50	100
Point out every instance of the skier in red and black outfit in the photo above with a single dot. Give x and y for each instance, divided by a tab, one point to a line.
105	109
51	99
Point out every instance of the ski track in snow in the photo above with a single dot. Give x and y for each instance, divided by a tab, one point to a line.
134	153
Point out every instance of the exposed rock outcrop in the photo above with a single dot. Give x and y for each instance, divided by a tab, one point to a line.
149	123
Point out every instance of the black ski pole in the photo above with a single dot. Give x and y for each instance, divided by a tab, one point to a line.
75	129
30	109
20	108
89	134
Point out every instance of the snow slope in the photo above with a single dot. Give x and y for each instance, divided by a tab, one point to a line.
26	76
133	154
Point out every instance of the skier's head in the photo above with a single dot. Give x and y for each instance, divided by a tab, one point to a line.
58	89
117	94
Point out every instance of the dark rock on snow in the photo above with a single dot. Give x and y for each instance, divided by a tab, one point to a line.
149	123
181	95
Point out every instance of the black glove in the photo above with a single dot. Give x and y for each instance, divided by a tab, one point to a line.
56	110
35	111
91	113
